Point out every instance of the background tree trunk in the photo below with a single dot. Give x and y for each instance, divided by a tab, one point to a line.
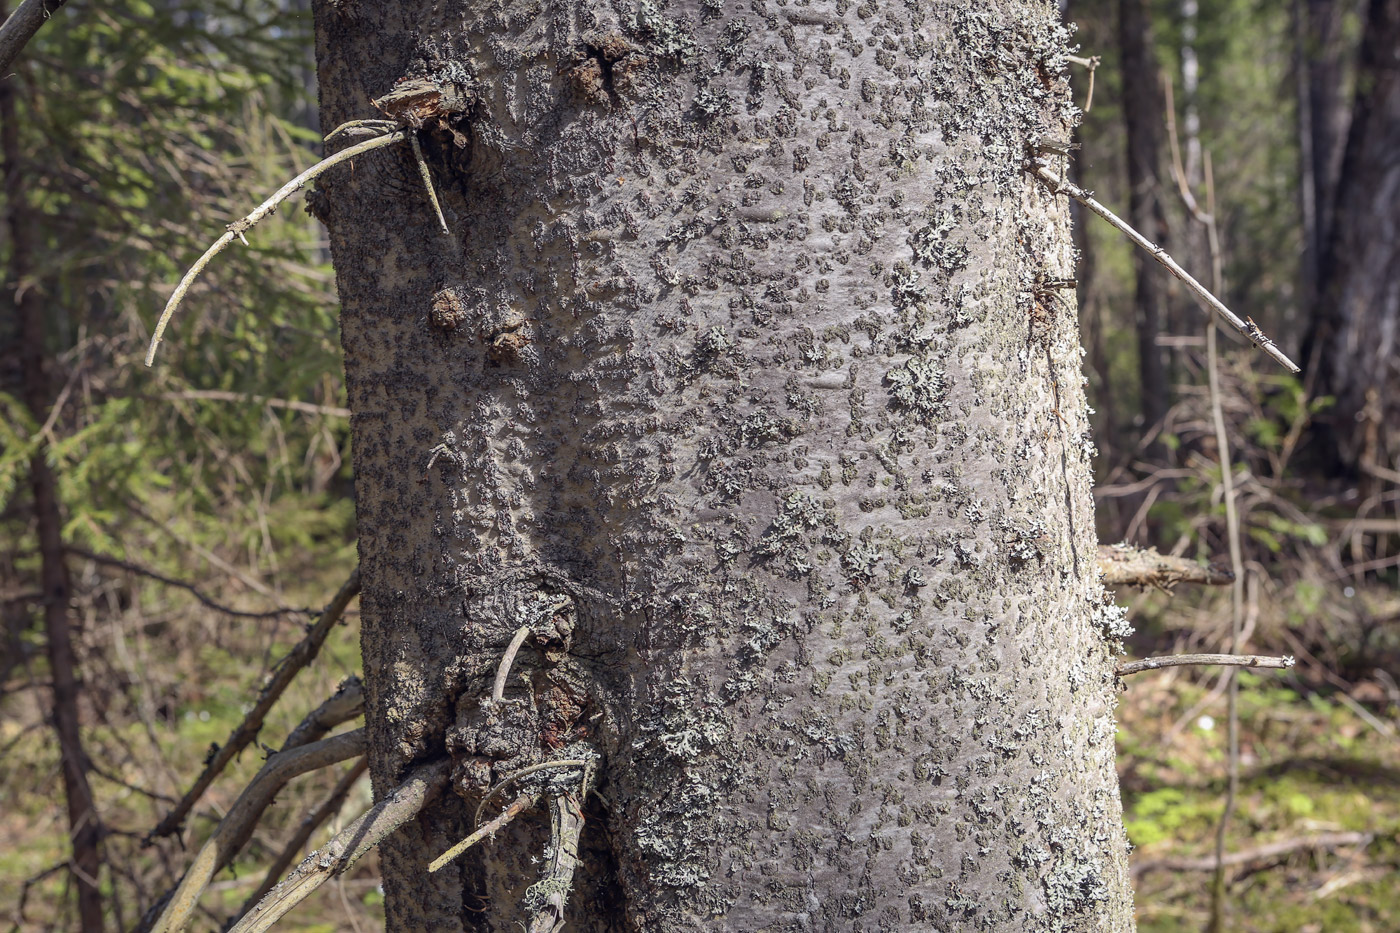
1358	317
735	383
1143	118
28	288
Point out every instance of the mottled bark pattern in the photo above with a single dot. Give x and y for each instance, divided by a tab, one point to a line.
734	382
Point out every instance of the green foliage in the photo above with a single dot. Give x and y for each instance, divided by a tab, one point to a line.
143	130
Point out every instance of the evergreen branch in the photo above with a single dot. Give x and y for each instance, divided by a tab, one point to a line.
238	227
1250	331
299	657
338	855
1185	660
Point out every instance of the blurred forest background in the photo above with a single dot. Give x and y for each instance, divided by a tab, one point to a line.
169	535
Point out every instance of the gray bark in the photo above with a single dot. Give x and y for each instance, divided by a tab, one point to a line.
732	380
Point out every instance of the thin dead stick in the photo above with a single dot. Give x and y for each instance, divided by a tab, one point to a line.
1220	885
347	703
517	806
238	227
427	177
236	828
299	657
217	395
1092	63
562	763
1258	854
338	855
190	588
498	689
1185	660
1250	331
312	822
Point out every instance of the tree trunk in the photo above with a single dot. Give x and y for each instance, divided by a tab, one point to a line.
1358	317
33	312
734	384
1323	62
1143	111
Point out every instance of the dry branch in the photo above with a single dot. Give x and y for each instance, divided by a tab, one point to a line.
313	821
296	659
1250	331
239	227
181	585
517	806
1186	660
21	25
237	827
341	853
1128	565
1256	855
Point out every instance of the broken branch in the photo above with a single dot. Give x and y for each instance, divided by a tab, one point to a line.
517	806
1125	564
238	227
237	827
1185	660
338	855
300	656
1250	331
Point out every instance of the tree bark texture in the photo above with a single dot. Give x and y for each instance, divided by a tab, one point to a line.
1143	110
735	382
1359	315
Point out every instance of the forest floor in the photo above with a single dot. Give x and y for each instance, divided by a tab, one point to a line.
1319	758
1318	808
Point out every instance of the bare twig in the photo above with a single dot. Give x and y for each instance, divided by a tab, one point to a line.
1185	660
1125	564
400	806
517	806
237	827
1092	63
238	227
21	25
427	177
1256	855
217	395
345	704
296	659
498	689
312	821
182	585
1250	331
561	763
